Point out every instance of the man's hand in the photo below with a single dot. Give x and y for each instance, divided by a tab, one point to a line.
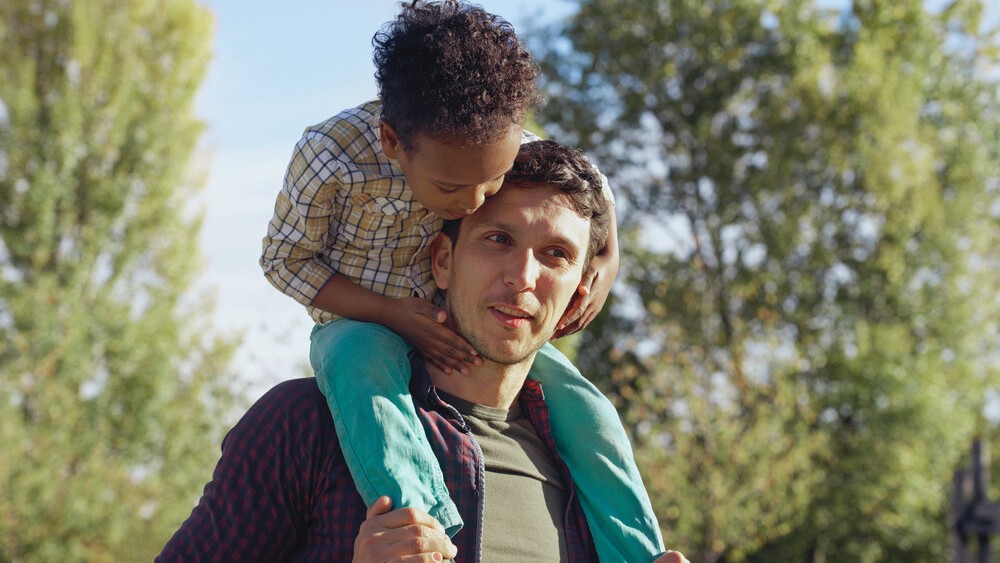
406	534
421	324
672	557
591	294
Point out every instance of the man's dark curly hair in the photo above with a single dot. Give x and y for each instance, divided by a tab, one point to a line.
548	163
450	70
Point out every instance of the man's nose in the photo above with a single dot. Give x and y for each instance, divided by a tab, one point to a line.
522	271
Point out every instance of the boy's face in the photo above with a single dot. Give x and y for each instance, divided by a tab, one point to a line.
452	180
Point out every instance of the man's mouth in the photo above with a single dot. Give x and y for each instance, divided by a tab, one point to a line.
513	317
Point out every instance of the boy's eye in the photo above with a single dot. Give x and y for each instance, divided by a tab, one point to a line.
448	190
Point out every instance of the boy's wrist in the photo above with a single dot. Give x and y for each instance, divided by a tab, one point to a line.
385	313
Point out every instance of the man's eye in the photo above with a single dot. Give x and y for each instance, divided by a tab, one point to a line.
499	238
559	253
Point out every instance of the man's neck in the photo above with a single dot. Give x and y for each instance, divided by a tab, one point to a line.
489	384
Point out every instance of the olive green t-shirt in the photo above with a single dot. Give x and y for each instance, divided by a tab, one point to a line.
525	497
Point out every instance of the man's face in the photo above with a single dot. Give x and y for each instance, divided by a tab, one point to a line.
512	272
450	179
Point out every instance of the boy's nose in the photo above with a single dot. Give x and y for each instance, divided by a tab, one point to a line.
477	194
473	198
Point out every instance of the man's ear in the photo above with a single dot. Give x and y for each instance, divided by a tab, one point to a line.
390	141
441	260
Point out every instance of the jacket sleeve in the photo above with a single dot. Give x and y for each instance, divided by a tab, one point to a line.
258	504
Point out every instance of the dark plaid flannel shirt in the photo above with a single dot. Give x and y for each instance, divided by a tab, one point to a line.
281	490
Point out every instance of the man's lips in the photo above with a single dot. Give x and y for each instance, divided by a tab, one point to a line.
510	315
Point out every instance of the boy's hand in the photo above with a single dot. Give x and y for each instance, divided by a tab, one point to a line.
422	325
589	299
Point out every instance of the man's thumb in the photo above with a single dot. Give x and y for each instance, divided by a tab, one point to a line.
379	507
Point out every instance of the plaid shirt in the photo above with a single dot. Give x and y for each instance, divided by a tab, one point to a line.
345	208
282	492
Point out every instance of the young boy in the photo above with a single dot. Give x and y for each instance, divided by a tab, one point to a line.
365	193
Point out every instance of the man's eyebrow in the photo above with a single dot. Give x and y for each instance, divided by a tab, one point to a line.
451	185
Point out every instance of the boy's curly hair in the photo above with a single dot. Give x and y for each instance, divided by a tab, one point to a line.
448	69
550	164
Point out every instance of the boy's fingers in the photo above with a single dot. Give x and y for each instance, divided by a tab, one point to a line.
567	330
458	347
586	282
439	362
461	355
571	316
433	313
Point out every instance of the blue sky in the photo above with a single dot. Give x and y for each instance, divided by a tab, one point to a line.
278	67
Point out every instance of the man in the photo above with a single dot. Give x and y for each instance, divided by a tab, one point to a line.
281	490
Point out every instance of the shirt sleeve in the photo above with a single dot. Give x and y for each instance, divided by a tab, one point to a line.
260	499
303	213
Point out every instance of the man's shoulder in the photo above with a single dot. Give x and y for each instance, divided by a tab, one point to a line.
296	401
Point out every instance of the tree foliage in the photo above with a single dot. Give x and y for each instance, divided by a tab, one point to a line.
805	328
112	387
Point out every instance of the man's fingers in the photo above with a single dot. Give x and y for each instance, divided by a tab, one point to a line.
382	505
671	557
404	534
420	540
403	517
410	543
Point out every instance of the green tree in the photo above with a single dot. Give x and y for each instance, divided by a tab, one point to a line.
112	388
805	329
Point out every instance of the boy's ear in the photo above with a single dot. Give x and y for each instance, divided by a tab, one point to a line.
442	254
390	141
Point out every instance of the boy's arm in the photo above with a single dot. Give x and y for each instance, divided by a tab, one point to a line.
303	212
594	287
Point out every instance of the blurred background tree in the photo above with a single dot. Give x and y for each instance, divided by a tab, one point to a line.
113	393
805	327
